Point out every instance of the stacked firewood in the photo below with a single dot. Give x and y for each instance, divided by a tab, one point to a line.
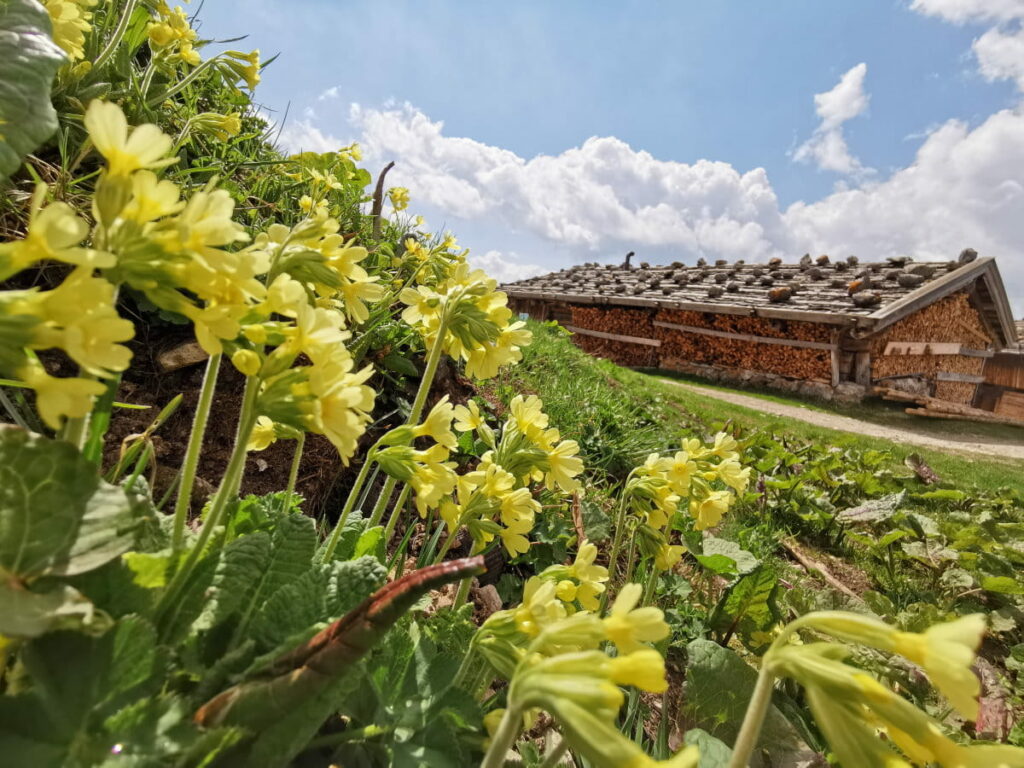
955	391
794	362
619	352
621	322
756	326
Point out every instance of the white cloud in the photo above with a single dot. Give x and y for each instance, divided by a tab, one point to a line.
505	269
827	147
330	93
1001	55
962	11
303	136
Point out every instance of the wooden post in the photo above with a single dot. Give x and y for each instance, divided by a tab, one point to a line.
862	368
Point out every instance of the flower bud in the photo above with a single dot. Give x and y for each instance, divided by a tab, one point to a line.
402	435
246	361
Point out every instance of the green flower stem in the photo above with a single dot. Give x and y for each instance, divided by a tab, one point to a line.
433	359
746	740
652	581
350	502
115	39
448	541
463	594
228	484
396	512
183	83
293	474
620	525
192	451
504	738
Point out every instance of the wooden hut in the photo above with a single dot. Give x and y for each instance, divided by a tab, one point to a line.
820	327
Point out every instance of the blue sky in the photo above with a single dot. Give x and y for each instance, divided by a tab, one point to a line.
690	97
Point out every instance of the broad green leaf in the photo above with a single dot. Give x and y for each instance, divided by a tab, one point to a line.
718	688
744	561
875	510
371	542
349	537
26	613
56	515
1004	585
400	364
30	61
242	566
713	752
748	608
149	569
943	494
322	594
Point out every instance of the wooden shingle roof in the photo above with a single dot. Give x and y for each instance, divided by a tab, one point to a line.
845	292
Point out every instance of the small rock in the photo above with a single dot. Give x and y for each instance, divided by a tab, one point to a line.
924	270
732	286
781	294
866	299
822	260
714	291
967	255
721	277
488	599
852	260
907	280
774	262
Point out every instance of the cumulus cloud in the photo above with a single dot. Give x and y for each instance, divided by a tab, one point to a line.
827	147
1001	55
304	136
505	269
963	11
330	93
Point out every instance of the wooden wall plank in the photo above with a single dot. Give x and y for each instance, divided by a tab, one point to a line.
614	336
747	336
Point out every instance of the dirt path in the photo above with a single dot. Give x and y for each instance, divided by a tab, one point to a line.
866	428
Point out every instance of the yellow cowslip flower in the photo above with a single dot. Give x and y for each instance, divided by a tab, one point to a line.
424	305
628	626
492	480
680	470
540	607
285	296
54	233
708	512
263	435
355	292
513	539
214	323
343	257
732	474
343	402
70	23
246	66
946	652
668	555
591	577
81	319
56	398
144	148
433	477
519	506
317	332
528	415
563	466
566	590
643	669
399	197
221	127
246	361
934	747
468	416
725	446
438	425
151	198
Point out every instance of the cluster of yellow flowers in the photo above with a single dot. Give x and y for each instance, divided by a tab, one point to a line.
553	659
172	38
852	707
466	311
496	498
656	489
71	22
399	197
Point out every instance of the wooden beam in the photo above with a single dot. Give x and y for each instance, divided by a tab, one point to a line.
835	365
614	336
747	337
862	368
966	378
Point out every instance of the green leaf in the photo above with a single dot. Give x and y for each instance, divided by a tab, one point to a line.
748	607
56	515
875	510
243	565
26	613
943	494
719	686
744	561
1004	585
323	593
31	59
402	365
149	569
713	752
371	542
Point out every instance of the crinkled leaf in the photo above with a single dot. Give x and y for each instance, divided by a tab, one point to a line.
1004	585
56	515
371	542
243	565
748	608
30	61
149	569
744	561
875	509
